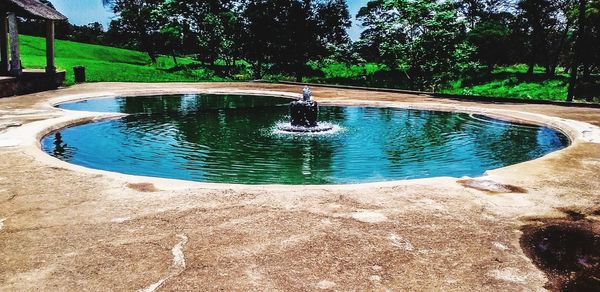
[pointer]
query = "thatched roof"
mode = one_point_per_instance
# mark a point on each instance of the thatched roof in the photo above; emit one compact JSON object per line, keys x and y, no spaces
{"x":31,"y":8}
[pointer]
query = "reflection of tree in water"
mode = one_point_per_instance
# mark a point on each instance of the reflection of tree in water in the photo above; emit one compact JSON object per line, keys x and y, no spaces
{"x":416,"y":135}
{"x":192,"y":103}
{"x":61,"y":150}
{"x":304,"y":159}
{"x":236,"y":146}
{"x":505,"y":143}
{"x":227,"y":138}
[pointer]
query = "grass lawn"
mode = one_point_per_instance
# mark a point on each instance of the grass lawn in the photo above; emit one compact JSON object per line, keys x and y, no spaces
{"x":111,"y":64}
{"x":509,"y":82}
{"x":512,"y":82}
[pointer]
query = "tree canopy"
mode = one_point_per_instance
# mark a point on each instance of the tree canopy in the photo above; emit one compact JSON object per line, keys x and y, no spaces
{"x":423,"y":44}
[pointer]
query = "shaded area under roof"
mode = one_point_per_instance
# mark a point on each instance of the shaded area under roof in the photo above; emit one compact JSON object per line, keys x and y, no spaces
{"x":31,"y":8}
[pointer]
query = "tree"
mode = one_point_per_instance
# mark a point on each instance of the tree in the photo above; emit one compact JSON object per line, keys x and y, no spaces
{"x":209,"y":28}
{"x":546,"y":28}
{"x":258,"y":40}
{"x":307,"y":31}
{"x":92,"y":33}
{"x":333,"y":20}
{"x":476,"y":11}
{"x":290,"y":33}
{"x":171,"y":34}
{"x":137,"y":24}
{"x":494,"y":31}
{"x":298,"y":39}
{"x":381,"y":40}
{"x":492,"y":42}
{"x":578,"y":49}
{"x":423,"y":38}
{"x":593,"y":34}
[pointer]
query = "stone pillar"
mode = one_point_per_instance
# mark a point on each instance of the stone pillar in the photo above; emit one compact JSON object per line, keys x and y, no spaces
{"x":50,"y":68}
{"x":3,"y":44}
{"x":15,"y":56}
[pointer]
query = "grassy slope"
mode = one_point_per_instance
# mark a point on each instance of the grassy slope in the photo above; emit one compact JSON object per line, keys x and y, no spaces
{"x":106,"y":63}
{"x":512,"y":82}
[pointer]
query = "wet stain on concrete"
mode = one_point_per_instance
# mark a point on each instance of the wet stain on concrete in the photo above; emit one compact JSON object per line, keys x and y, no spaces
{"x":143,"y":187}
{"x":491,"y":186}
{"x":567,"y":250}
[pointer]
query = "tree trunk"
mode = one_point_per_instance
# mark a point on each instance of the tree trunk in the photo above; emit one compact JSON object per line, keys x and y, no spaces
{"x":585,"y":56}
{"x":531,"y":66}
{"x":577,"y":49}
{"x":553,"y":70}
{"x":586,"y":70}
{"x":549,"y":70}
{"x":258,"y":70}
{"x":299,"y":72}
{"x":555,"y":58}
{"x":174,"y":57}
{"x":547,"y":51}
{"x":148,"y":46}
{"x":152,"y":56}
{"x":532,"y":56}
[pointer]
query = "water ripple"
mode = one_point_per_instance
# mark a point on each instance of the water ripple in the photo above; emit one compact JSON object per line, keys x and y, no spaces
{"x":235,"y":139}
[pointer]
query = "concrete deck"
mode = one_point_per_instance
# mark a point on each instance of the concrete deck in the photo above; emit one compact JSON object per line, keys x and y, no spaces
{"x":65,"y":227}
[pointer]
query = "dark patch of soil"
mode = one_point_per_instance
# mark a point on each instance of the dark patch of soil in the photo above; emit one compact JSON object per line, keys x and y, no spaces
{"x":568,"y":251}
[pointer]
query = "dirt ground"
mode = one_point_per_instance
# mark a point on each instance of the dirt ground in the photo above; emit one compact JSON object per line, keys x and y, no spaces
{"x":63,"y":227}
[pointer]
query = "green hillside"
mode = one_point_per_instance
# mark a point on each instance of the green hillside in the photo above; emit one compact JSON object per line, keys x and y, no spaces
{"x":110,"y":64}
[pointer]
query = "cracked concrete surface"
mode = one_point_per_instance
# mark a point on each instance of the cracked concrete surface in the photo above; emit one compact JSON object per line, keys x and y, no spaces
{"x":177,"y":267}
{"x":71,"y":228}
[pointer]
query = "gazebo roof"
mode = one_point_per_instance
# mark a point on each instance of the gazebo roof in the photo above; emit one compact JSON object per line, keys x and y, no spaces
{"x":32,"y":8}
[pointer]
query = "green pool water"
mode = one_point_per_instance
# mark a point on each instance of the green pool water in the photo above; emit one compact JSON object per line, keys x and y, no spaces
{"x":233,"y":139}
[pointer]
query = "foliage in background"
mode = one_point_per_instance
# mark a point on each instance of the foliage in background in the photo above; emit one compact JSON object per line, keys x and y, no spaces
{"x":425,"y":39}
{"x":282,"y":36}
{"x":256,"y":31}
{"x":434,"y":45}
{"x":514,"y":82}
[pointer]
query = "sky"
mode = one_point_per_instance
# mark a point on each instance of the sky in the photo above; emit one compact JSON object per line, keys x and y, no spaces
{"x":82,"y":12}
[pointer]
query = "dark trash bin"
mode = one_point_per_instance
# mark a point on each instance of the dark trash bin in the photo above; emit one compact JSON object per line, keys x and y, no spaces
{"x":79,"y":74}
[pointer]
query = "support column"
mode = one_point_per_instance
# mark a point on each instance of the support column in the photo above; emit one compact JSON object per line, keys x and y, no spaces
{"x":3,"y":44}
{"x":50,"y":67}
{"x":15,"y":56}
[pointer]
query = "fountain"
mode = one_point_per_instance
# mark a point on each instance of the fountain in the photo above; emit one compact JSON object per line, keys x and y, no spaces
{"x":303,"y":116}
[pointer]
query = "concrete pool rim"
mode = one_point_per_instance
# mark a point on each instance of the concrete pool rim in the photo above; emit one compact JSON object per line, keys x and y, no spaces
{"x":29,"y":135}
